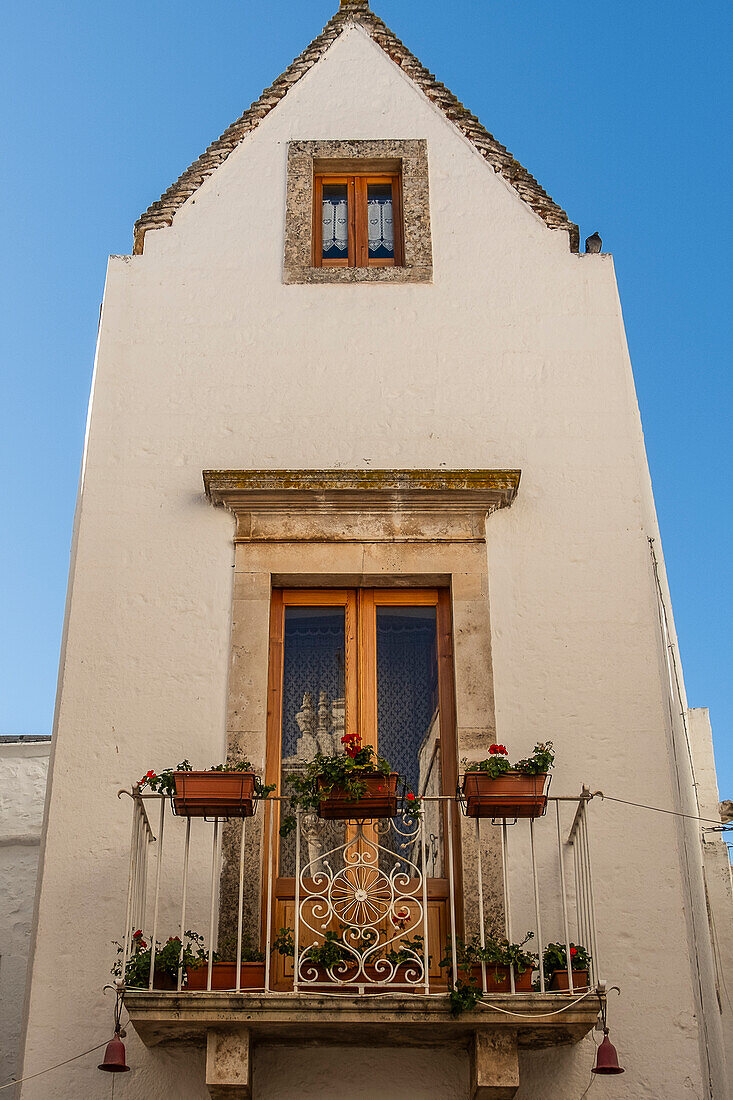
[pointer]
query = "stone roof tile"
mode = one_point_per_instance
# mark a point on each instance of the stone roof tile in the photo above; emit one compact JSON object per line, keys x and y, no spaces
{"x":162,"y":212}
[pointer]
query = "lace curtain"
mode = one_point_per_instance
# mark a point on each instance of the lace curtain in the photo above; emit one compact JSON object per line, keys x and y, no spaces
{"x":380,"y":218}
{"x":335,"y":226}
{"x":380,"y":221}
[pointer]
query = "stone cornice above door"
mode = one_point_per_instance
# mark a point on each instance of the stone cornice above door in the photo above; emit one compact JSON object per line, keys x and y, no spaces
{"x":361,"y":505}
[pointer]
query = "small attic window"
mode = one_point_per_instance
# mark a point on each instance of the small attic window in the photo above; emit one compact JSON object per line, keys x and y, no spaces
{"x":357,"y":211}
{"x":357,"y":220}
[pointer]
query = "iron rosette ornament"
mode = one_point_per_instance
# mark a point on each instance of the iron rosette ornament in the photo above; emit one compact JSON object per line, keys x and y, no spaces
{"x":360,"y":906}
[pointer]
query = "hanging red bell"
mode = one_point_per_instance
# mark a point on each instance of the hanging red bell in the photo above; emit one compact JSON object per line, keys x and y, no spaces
{"x":114,"y":1056}
{"x":606,"y":1057}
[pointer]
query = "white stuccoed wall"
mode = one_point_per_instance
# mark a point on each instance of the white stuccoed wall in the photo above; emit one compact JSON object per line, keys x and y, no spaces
{"x":718,"y":878}
{"x":23,"y":772}
{"x":514,"y":357}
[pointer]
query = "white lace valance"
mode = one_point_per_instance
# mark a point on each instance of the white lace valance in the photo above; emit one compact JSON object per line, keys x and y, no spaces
{"x":335,"y":225}
{"x":381,"y":225}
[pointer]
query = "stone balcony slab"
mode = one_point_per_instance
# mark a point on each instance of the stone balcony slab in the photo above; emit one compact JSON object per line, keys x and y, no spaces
{"x":382,"y":1019}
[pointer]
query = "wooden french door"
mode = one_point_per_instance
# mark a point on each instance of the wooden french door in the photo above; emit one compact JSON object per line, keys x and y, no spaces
{"x":378,"y":662}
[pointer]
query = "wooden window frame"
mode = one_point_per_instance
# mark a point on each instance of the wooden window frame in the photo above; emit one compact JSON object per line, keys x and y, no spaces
{"x":360,"y":606}
{"x":357,"y":183}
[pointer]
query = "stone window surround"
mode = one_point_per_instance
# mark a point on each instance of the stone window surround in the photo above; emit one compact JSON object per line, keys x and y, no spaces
{"x":352,"y":528}
{"x":303,"y":156}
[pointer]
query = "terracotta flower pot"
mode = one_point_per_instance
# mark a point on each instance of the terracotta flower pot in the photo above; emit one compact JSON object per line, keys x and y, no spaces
{"x":511,"y":795}
{"x":224,"y":976}
{"x":498,"y":979}
{"x":164,"y":981}
{"x":559,"y":981}
{"x":161,"y":980}
{"x":214,"y":794}
{"x":379,"y":799}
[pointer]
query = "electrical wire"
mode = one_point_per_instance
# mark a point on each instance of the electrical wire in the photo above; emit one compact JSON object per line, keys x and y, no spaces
{"x":483,"y":1004}
{"x":590,"y":1084}
{"x":538,"y":1015}
{"x":671,"y":661}
{"x":671,"y":650}
{"x":30,"y":1076}
{"x":118,"y":1027}
{"x":658,"y":809}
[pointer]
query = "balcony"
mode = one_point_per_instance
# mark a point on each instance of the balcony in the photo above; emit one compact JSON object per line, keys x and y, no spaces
{"x":369,"y":920}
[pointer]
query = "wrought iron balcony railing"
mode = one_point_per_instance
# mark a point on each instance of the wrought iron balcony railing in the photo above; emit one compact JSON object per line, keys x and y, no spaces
{"x":364,"y":906}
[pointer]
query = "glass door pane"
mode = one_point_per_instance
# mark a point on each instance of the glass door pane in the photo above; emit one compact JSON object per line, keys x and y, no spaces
{"x":408,"y":715}
{"x":314,"y":707}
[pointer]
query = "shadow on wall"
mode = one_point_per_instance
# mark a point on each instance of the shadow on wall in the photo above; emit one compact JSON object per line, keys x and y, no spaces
{"x":360,"y":1073}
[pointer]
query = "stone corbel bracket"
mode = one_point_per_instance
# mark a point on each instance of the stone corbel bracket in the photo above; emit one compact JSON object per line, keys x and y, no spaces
{"x":361,"y":505}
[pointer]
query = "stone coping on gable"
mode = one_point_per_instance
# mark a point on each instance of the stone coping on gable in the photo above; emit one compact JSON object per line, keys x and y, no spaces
{"x":356,"y":12}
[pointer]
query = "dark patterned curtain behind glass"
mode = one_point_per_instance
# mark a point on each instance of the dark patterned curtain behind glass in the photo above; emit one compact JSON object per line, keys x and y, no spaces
{"x":313,"y":699}
{"x":407,"y":682}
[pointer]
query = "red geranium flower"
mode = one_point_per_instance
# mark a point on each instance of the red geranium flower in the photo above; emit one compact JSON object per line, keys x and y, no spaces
{"x":573,"y":951}
{"x":136,"y":935}
{"x":410,"y":796}
{"x":352,"y":743}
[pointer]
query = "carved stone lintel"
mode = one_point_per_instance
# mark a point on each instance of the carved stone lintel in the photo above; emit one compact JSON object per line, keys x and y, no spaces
{"x":361,"y":505}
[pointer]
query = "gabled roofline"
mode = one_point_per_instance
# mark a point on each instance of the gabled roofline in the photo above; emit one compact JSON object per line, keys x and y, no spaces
{"x":162,"y":212}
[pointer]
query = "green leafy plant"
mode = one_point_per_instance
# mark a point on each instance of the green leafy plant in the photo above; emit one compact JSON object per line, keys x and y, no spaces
{"x":540,"y":762}
{"x":405,"y":950}
{"x":497,"y":762}
{"x":329,"y":953}
{"x":326,"y":954}
{"x":333,"y":949}
{"x":227,"y":952}
{"x":496,"y":951}
{"x":168,"y":957}
{"x":463,"y":997}
{"x":284,"y":943}
{"x":345,"y":771}
{"x":554,"y":957}
{"x":164,"y":782}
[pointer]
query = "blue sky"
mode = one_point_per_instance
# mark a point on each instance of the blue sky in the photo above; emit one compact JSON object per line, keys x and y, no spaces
{"x":621,"y":110}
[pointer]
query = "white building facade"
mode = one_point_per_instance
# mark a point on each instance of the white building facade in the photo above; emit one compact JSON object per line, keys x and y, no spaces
{"x":23,"y":772}
{"x":451,"y":428}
